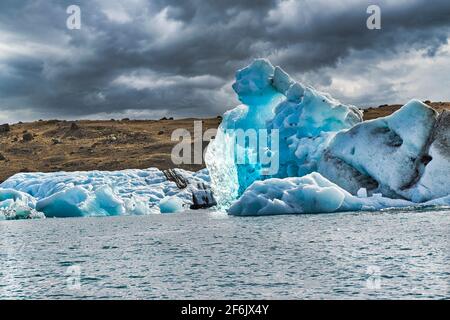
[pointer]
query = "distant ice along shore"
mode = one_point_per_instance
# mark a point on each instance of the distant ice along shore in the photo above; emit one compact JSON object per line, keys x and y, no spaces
{"x":328,"y":160}
{"x":102,"y":193}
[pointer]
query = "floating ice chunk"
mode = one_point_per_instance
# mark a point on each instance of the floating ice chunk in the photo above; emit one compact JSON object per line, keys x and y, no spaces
{"x":19,"y":212}
{"x":10,"y":196}
{"x":255,"y":82}
{"x":443,"y":202}
{"x":295,"y":93}
{"x":362,"y":193}
{"x":413,"y":123}
{"x":66,"y":203}
{"x":309,"y":194}
{"x":171,"y":205}
{"x":17,"y":205}
{"x":201,"y":175}
{"x":386,"y":157}
{"x":254,"y":88}
{"x":402,"y":156}
{"x":316,"y":113}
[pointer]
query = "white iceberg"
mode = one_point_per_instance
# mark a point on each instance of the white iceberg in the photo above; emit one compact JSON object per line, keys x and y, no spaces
{"x":384,"y":155}
{"x":171,"y":205}
{"x":308,"y":194}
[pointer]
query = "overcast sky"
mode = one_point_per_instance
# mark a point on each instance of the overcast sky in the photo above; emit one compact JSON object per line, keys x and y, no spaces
{"x":154,"y":58}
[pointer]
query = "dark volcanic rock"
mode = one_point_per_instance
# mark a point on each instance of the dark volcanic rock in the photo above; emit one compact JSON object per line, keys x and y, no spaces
{"x":4,"y":128}
{"x":203,"y":197}
{"x":179,"y":180}
{"x":74,"y":126}
{"x":27,"y":137}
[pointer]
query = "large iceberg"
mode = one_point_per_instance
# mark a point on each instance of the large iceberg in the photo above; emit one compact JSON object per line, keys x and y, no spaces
{"x":98,"y":193}
{"x":385,"y":155}
{"x":326,"y":153}
{"x":295,"y":118}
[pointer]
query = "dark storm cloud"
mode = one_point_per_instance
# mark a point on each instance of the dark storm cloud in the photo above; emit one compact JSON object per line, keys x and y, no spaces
{"x":180,"y":56}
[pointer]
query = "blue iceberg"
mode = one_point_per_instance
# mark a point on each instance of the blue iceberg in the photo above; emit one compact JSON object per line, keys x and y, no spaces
{"x":328,"y":159}
{"x":302,"y":117}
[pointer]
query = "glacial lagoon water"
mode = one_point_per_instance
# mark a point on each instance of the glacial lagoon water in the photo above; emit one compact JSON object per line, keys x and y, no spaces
{"x":374,"y":255}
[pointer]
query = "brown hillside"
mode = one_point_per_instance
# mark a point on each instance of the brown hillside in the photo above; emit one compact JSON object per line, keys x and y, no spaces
{"x":386,"y":110}
{"x":91,"y":145}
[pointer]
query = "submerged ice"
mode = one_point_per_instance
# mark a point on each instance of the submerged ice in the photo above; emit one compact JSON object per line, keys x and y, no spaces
{"x":327,"y":154}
